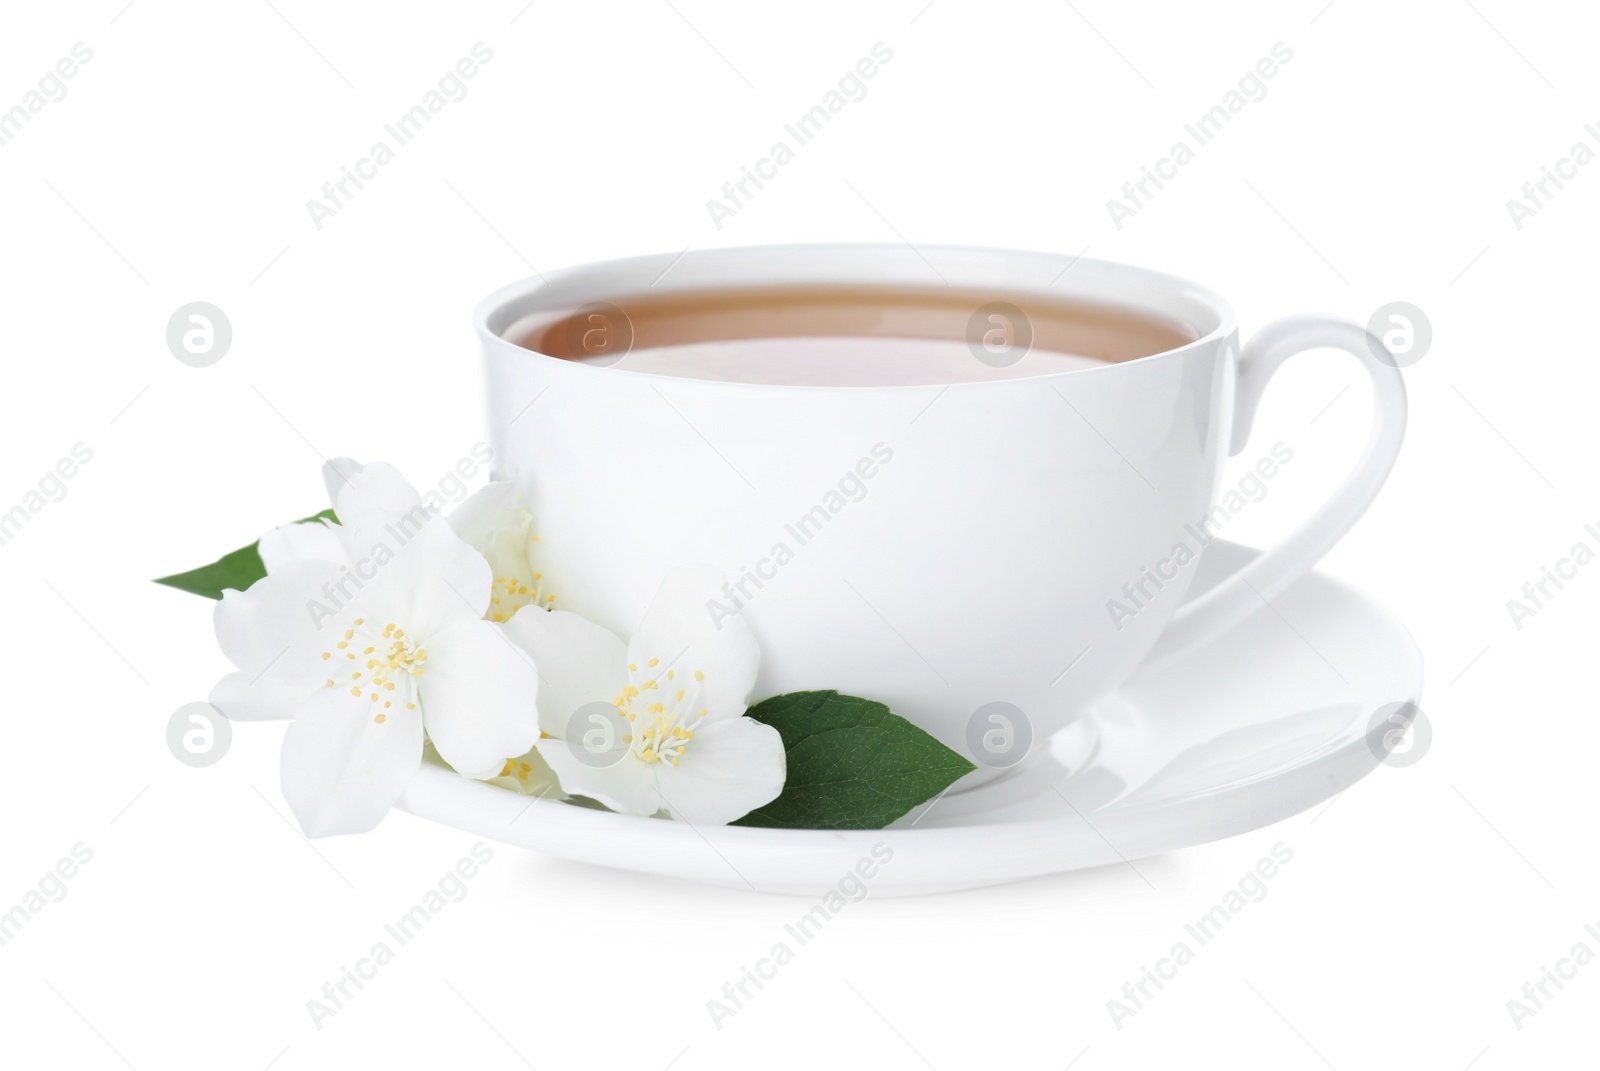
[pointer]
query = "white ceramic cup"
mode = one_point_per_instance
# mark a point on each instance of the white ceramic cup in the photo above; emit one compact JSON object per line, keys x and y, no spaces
{"x":983,"y":560}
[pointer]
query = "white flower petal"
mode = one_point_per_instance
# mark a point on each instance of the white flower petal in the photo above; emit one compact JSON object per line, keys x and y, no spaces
{"x":341,"y":769}
{"x":426,"y":580}
{"x":378,"y":512}
{"x":680,"y":630}
{"x":629,"y":786}
{"x":479,"y":695}
{"x":497,"y":522}
{"x":579,"y":662}
{"x":314,"y":540}
{"x":336,"y":472}
{"x":730,"y":768}
{"x":243,"y":697}
{"x":274,"y":628}
{"x":484,"y":512}
{"x":372,"y":495}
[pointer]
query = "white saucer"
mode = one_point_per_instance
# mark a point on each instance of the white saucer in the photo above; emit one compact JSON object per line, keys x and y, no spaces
{"x":1260,"y":724}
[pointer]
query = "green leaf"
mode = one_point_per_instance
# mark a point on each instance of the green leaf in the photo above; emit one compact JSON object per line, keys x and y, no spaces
{"x":853,"y":763}
{"x":237,"y":569}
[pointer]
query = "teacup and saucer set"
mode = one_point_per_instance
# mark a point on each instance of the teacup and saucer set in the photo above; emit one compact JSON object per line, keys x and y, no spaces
{"x":971,"y":494}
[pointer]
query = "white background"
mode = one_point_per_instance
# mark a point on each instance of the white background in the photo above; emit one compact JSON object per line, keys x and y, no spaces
{"x":177,"y":169}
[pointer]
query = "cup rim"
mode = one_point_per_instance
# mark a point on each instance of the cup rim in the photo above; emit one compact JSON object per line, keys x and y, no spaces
{"x":1107,"y":282}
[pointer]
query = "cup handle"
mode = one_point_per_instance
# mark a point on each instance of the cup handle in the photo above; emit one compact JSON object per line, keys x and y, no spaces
{"x":1269,"y":575}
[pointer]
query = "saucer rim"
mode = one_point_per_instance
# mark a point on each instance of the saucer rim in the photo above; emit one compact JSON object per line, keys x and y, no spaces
{"x":991,"y":852}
